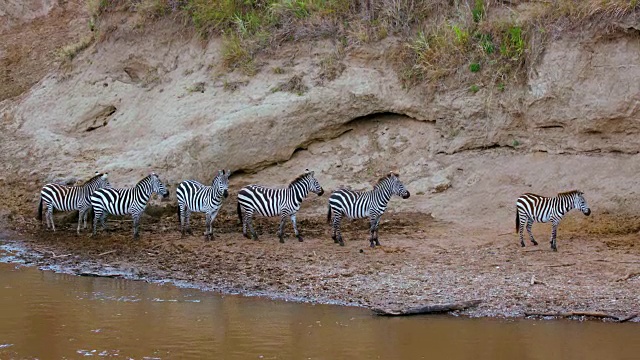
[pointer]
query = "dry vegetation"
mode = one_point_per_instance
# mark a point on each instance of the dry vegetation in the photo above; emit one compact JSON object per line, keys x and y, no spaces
{"x":448,"y":42}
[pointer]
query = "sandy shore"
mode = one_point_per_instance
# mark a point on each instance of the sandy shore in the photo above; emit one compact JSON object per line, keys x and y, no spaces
{"x":420,"y":261}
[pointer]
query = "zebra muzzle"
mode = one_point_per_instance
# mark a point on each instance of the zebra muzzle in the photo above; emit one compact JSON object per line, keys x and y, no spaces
{"x":588,"y":212}
{"x":406,"y":196}
{"x":321,"y":192}
{"x":225,"y":193}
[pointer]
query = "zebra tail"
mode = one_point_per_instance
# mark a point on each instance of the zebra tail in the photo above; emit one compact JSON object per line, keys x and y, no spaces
{"x":179,"y":215}
{"x":239,"y":212}
{"x":39,"y":217}
{"x":517,"y":221}
{"x":329,"y":214}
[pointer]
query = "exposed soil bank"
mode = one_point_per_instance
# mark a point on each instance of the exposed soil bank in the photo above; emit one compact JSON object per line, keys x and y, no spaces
{"x":424,"y":262}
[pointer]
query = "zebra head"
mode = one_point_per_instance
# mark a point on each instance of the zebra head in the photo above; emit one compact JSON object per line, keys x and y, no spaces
{"x":157,"y":186}
{"x":99,"y":180}
{"x":397,"y":187}
{"x":580,"y":203}
{"x":104,"y":181}
{"x":312,"y":183}
{"x":221,"y":183}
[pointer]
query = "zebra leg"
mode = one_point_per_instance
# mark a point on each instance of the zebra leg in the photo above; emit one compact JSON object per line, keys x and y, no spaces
{"x":372,"y":228}
{"x":50,"y":217}
{"x":337,"y":235}
{"x":187,"y":220}
{"x":521,"y":224}
{"x":96,"y":216}
{"x":207,"y":221}
{"x":103,"y":217}
{"x":82,"y":213}
{"x":213,"y":217}
{"x":181,"y":217}
{"x":295,"y":227}
{"x":283,"y":216}
{"x":86,"y":215}
{"x":529,"y":225}
{"x":375,"y":238}
{"x":136,"y":225}
{"x":248,"y":222}
{"x":244,"y":228}
{"x":554,"y":231}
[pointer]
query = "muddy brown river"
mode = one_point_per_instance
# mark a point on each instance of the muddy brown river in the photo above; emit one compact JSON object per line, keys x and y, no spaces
{"x":48,"y":315}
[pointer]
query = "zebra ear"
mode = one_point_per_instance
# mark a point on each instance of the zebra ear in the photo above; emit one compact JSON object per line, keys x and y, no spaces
{"x":228,"y":173}
{"x":220,"y":172}
{"x":105,"y":176}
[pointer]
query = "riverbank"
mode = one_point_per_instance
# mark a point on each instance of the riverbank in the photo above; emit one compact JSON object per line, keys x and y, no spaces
{"x":421,"y":261}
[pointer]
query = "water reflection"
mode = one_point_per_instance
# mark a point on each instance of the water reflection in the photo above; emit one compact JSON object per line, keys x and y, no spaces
{"x":48,"y":315}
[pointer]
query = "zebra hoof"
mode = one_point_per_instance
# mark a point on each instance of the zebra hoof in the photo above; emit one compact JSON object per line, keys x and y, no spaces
{"x":372,"y":245}
{"x":521,"y":244}
{"x":300,"y":238}
{"x":341,"y":242}
{"x":281,"y":241}
{"x":535,"y":243}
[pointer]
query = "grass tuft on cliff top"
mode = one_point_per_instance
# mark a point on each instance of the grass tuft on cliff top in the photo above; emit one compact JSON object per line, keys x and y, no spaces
{"x":443,"y":42}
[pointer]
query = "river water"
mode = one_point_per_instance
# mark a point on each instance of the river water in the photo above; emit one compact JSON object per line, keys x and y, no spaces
{"x":48,"y":315}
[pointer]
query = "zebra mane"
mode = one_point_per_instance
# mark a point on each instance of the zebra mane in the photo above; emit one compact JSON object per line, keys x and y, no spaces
{"x":388,"y":176}
{"x":298,"y":179}
{"x":95,"y":177}
{"x":570,"y":193}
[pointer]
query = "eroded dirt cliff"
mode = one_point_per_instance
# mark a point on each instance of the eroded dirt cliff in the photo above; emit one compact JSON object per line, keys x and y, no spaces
{"x":155,"y":99}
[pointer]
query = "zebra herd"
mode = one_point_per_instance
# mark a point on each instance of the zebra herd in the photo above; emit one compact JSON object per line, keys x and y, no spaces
{"x":97,"y":194}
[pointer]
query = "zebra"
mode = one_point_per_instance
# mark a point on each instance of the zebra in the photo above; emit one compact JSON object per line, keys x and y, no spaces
{"x":532,"y":208}
{"x":194,"y":196}
{"x":126,"y":201}
{"x":68,"y":198}
{"x":273,"y":202}
{"x":363,"y":204}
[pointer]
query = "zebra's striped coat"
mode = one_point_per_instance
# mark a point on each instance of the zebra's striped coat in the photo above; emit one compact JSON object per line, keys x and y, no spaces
{"x":127,"y":201}
{"x":68,"y":198}
{"x":363,"y":204}
{"x":273,"y":202}
{"x":196,"y":197}
{"x":532,"y":208}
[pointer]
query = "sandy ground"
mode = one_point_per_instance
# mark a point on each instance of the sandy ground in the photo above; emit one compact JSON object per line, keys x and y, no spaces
{"x":420,"y":261}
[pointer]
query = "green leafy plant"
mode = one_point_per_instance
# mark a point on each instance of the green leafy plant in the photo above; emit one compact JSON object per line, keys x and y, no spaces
{"x":513,"y":43}
{"x":474,"y":67}
{"x":478,"y":11}
{"x":474,"y":88}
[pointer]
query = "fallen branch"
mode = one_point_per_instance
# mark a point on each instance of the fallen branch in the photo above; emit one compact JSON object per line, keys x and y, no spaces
{"x":629,"y":276}
{"x":91,"y":274}
{"x":560,"y":265}
{"x":428,"y":309}
{"x":53,"y":255}
{"x":107,"y":252}
{"x":627,"y":318}
{"x":575,"y":313}
{"x":534,"y":281}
